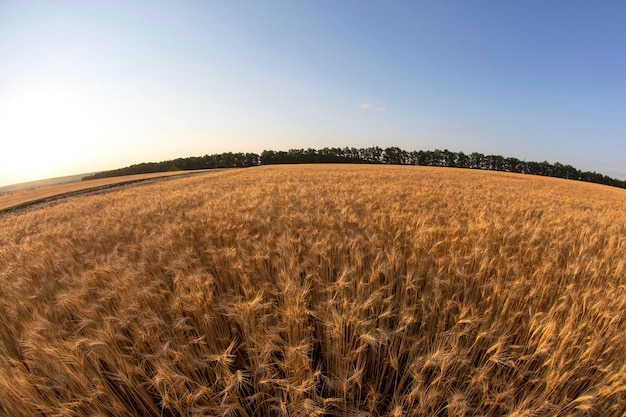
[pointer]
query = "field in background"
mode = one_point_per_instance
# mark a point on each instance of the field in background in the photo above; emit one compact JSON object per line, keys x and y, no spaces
{"x":31,"y":185}
{"x":44,"y":192}
{"x":319,"y":290}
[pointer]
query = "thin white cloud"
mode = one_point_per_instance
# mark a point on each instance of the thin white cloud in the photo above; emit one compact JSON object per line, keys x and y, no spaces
{"x":372,"y":107}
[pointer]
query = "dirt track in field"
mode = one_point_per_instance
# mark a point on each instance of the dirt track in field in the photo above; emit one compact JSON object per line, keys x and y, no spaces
{"x":23,"y":201}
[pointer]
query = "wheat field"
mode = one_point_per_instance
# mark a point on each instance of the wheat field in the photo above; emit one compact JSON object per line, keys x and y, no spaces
{"x":323,"y":290}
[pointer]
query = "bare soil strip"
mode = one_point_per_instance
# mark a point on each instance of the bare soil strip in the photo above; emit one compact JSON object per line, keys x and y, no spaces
{"x":23,"y":201}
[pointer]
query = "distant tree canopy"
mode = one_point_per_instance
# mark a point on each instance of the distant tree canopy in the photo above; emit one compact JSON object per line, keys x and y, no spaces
{"x":371,"y":155}
{"x":222,"y":160}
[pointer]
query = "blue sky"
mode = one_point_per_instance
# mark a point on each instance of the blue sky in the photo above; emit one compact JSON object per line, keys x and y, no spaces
{"x":87,"y":86}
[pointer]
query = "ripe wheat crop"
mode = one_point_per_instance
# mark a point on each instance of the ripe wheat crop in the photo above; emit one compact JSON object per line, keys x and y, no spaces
{"x":318,"y":290}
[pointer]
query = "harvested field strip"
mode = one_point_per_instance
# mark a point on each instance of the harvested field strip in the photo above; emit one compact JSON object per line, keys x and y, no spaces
{"x":23,"y":199}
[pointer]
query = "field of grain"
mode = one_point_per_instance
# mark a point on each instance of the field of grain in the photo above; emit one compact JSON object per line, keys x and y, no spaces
{"x":319,"y":290}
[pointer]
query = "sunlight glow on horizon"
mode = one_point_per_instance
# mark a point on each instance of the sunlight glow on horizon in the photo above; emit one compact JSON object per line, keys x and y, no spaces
{"x":51,"y":123}
{"x":46,"y":123}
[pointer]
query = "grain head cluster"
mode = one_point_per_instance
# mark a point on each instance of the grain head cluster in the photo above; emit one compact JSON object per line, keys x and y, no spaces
{"x":321,"y":291}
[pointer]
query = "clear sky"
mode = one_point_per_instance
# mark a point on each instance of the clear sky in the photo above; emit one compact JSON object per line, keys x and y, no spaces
{"x":95,"y":85}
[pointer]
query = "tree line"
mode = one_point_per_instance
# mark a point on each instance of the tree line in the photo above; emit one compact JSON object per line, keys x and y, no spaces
{"x":370,"y":155}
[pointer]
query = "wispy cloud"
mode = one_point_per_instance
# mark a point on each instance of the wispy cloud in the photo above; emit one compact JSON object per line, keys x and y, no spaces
{"x":372,"y":107}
